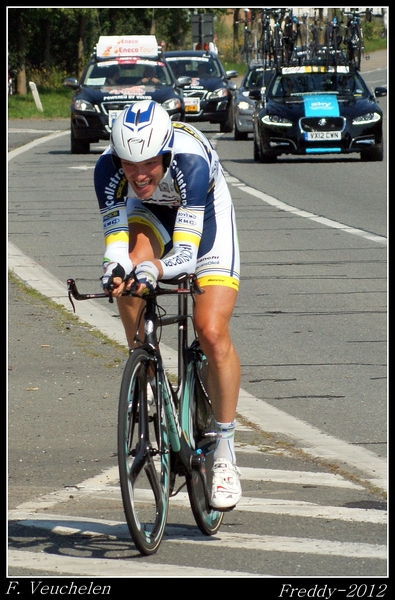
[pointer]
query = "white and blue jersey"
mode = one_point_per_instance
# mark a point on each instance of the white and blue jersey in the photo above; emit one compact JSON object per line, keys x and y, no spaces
{"x":191,"y":212}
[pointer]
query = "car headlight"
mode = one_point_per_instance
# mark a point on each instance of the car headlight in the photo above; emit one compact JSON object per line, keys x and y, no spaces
{"x":243,"y":105}
{"x":219,"y":93}
{"x":83,"y":105}
{"x":276,"y":120}
{"x":368,"y":118}
{"x":172,"y":104}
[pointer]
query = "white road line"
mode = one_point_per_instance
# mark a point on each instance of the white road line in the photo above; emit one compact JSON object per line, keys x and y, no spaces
{"x":268,"y":506}
{"x":17,"y":151}
{"x":30,"y":130}
{"x":272,"y":543}
{"x":231,"y":180}
{"x":107,"y":482}
{"x":93,"y":567}
{"x":116,"y":530}
{"x":303,"y":213}
{"x":297,"y":477}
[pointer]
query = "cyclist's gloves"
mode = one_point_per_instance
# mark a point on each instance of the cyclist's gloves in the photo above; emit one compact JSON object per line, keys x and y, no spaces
{"x":147,"y":274}
{"x":113,"y":270}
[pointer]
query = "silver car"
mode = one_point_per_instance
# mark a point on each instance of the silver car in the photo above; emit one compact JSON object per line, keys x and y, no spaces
{"x":256,"y":77}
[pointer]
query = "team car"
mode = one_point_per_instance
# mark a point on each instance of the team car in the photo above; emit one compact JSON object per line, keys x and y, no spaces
{"x":121,"y":70}
{"x":256,"y":78}
{"x":318,"y":109}
{"x":210,"y":94}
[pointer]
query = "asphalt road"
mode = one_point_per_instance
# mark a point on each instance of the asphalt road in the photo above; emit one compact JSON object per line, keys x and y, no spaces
{"x":63,"y":384}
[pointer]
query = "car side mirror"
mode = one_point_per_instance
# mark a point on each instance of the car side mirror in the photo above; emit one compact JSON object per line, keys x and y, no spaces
{"x":380,"y":91}
{"x":71,"y":82}
{"x":255,"y":95}
{"x":184,"y":80}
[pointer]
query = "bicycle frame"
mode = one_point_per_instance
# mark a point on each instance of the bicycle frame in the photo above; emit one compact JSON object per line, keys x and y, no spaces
{"x":175,"y":402}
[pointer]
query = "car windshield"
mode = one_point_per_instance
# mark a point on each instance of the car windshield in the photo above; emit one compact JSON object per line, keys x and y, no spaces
{"x":202,"y":68}
{"x":139,"y":72}
{"x":295,"y":84}
{"x":257,"y":78}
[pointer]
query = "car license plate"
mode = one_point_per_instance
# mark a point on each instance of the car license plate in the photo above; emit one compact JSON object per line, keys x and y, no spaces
{"x":192,"y":105}
{"x":112,"y":115}
{"x":317,"y":136}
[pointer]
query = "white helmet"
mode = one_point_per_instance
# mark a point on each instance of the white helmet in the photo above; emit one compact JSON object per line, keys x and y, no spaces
{"x":143,"y":130}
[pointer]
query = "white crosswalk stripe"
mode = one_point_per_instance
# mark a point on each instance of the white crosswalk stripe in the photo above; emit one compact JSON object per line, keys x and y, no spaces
{"x":105,"y":488}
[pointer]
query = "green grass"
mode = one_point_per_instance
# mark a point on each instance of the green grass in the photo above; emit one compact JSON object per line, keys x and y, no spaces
{"x":55,"y":102}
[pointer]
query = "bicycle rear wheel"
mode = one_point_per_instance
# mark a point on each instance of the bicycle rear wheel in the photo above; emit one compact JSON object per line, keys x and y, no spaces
{"x":357,"y":42}
{"x":199,"y":481}
{"x":143,"y":453}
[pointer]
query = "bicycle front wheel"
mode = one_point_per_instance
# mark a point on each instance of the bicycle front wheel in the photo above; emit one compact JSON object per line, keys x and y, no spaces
{"x":200,"y":480}
{"x":357,"y":42}
{"x":143,"y":453}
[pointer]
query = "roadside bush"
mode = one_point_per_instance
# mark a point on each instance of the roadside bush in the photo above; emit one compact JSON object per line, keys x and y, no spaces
{"x":51,"y":79}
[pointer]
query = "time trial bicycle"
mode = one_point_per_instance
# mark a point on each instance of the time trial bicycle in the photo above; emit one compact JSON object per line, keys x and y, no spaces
{"x":165,"y":428}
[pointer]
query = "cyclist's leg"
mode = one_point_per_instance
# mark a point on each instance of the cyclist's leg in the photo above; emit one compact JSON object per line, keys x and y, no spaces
{"x":218,"y":271}
{"x":212,"y":314}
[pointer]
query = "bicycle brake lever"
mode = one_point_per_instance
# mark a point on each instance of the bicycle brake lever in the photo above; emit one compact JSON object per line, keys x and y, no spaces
{"x":71,"y":302}
{"x":134,"y":286}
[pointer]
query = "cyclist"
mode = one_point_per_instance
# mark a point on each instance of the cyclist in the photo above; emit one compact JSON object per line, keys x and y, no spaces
{"x":166,"y":209}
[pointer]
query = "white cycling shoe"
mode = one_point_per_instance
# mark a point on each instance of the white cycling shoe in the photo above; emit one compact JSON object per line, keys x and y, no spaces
{"x":226,"y":488}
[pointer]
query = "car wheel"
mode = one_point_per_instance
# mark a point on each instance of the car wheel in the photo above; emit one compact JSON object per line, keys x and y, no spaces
{"x":79,"y":146}
{"x":262,"y":156}
{"x":373,"y":154}
{"x":240,"y":135}
{"x":227,"y":126}
{"x":266,"y":157}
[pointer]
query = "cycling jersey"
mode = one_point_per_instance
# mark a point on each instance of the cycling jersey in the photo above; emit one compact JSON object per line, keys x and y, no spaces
{"x":191,"y":212}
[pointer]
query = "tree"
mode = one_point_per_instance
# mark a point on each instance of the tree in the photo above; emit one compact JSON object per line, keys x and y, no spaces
{"x":62,"y":39}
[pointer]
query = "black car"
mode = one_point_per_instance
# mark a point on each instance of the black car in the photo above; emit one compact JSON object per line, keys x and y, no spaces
{"x":318,"y":109}
{"x":210,"y":95}
{"x":257,"y":77}
{"x":117,"y":75}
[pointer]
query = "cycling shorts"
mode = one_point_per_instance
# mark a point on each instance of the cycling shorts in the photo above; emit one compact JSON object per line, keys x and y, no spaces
{"x":218,"y":255}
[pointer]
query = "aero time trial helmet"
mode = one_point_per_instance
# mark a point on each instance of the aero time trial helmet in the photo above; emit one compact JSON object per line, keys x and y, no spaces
{"x":143,"y":130}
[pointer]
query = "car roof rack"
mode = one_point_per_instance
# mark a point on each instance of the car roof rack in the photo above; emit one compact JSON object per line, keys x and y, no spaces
{"x":338,"y":49}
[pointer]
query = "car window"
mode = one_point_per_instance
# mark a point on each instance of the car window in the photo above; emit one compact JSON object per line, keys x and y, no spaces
{"x":254,"y":79}
{"x":110,"y":74}
{"x":195,"y":67}
{"x":257,"y":78}
{"x":336,"y":83}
